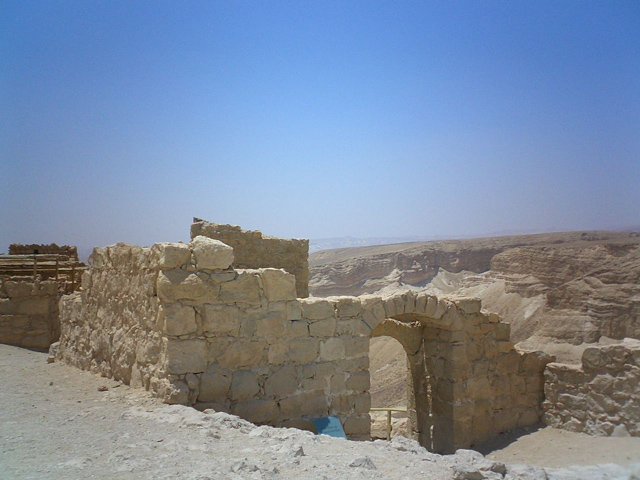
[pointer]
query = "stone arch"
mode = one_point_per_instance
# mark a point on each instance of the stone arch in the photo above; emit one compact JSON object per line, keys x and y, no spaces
{"x":453,"y":349}
{"x":410,"y":336}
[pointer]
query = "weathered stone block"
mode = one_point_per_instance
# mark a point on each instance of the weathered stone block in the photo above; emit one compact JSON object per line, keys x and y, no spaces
{"x":348,"y":306}
{"x":358,"y":382}
{"x":214,"y":385}
{"x":281,"y":383}
{"x":331,"y":349}
{"x":469,"y":305}
{"x":257,"y":411}
{"x":278,"y":285}
{"x":179,"y":319}
{"x":184,"y":356}
{"x":317,"y":308}
{"x":244,"y":385}
{"x":294,"y":310}
{"x":33,"y":306}
{"x":323,"y":328}
{"x":244,"y":289}
{"x":271,"y":325}
{"x":278,"y":353}
{"x":18,"y":289}
{"x":303,"y":350}
{"x":502,"y":331}
{"x":305,"y":404}
{"x":175,"y":285}
{"x":221,"y":319}
{"x":170,"y":255}
{"x":357,"y":425}
{"x":211,"y":254}
{"x":242,"y":354}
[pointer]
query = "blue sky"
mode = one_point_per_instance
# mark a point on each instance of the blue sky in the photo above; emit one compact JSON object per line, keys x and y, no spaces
{"x":119,"y":121}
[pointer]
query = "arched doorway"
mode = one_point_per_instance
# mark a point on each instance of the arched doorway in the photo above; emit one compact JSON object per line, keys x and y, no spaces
{"x":409,"y":333}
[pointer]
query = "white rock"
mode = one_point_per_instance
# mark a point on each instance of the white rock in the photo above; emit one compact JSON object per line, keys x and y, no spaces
{"x":211,"y":254}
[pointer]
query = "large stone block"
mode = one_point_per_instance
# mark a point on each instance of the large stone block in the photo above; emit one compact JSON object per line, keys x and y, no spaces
{"x":179,"y":319}
{"x":358,"y":382}
{"x":271,"y":325}
{"x":244,"y":385}
{"x":331,"y":349}
{"x":18,"y":289}
{"x":305,"y":404}
{"x":186,"y":356}
{"x":348,"y":306}
{"x":242,"y":354}
{"x":281,"y":383}
{"x":257,"y":411}
{"x":170,"y":255}
{"x":303,"y":350}
{"x":175,"y":285}
{"x":214,"y":385}
{"x":323,"y":328}
{"x":245,"y":289}
{"x":278,"y":285}
{"x":317,"y":308}
{"x":357,"y":425}
{"x":221,"y":319}
{"x":211,"y":254}
{"x":33,"y":306}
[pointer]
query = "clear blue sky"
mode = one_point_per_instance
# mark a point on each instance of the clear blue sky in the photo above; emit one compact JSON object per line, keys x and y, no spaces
{"x":119,"y":121}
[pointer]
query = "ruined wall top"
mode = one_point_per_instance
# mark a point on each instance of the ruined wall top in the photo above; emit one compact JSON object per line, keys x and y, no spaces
{"x":252,"y":249}
{"x":50,"y":249}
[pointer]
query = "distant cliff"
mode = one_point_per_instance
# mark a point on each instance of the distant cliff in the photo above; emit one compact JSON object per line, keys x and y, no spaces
{"x":566,"y":287}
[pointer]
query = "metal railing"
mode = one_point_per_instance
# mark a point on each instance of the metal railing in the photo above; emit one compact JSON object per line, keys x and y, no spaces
{"x":389,"y":410}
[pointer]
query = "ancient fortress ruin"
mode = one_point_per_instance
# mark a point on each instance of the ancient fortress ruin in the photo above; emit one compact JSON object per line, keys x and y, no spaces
{"x":224,"y":322}
{"x":32,"y":280}
{"x":182,"y":321}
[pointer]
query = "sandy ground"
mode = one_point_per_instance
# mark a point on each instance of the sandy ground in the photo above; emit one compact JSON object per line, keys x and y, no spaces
{"x":550,"y":447}
{"x":55,"y":423}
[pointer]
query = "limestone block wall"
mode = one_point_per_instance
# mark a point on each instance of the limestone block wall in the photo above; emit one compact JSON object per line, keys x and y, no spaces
{"x":601,"y":396}
{"x":469,"y":383}
{"x":240,"y":341}
{"x":179,"y":320}
{"x":28,"y":312}
{"x":111,"y":326}
{"x":42,"y":249}
{"x":252,"y":249}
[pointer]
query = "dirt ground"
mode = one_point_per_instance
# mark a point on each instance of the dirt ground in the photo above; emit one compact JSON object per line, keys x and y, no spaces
{"x":57,"y":422}
{"x":551,"y":447}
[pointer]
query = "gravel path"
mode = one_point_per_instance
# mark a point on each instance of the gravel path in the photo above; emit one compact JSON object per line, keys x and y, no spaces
{"x":56,"y":423}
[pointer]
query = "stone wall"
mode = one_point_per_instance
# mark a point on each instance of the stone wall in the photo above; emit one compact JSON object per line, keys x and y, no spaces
{"x":468,"y":382}
{"x":28,"y":312}
{"x":50,"y":249}
{"x":111,"y":326}
{"x":601,"y":396}
{"x":252,"y":249}
{"x":178,"y":320}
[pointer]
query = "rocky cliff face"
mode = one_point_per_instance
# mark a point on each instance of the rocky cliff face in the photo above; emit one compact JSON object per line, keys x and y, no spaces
{"x":565,"y":287}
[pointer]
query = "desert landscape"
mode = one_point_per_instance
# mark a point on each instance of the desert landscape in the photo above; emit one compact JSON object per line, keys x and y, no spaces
{"x":559,"y":292}
{"x":474,"y":340}
{"x":319,"y":240}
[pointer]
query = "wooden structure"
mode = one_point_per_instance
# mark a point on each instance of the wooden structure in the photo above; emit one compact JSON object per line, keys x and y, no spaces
{"x":389,"y":410}
{"x":61,"y":268}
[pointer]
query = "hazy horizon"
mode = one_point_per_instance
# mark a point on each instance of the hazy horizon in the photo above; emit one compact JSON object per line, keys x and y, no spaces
{"x":121,"y":121}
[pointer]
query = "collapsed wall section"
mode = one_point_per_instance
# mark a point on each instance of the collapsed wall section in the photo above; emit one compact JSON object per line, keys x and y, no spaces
{"x":28,"y":312}
{"x":599,"y":397}
{"x":252,"y":249}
